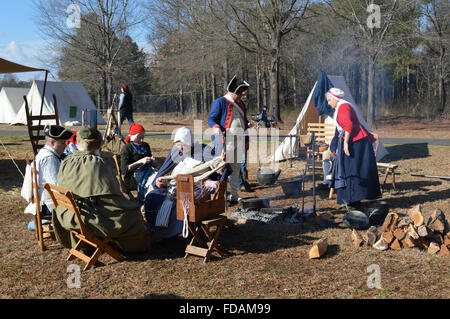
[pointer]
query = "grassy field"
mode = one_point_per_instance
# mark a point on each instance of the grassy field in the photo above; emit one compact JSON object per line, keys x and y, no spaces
{"x":264,"y":261}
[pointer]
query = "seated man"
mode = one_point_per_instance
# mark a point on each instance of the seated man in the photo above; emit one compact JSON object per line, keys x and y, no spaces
{"x":136,"y":160}
{"x":104,"y":210}
{"x":48,"y":161}
{"x":182,"y":157}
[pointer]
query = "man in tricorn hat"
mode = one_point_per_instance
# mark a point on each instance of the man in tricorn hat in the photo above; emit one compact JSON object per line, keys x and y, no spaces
{"x":228,"y":114}
{"x":48,"y":161}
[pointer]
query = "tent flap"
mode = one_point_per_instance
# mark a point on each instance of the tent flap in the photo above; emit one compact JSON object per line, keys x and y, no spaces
{"x":11,"y":67}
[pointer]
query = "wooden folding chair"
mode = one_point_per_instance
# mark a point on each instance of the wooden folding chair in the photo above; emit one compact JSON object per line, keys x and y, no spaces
{"x":202,"y":217}
{"x":41,"y":231}
{"x":123,"y":187}
{"x":64,"y":198}
{"x":34,"y":129}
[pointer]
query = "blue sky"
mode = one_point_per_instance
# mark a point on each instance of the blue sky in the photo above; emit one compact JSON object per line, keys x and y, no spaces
{"x":21,"y":41}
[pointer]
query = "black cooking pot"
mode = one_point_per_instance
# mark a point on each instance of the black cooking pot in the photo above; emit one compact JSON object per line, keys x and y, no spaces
{"x":255,"y":203}
{"x":377,"y":212}
{"x":267,"y":176}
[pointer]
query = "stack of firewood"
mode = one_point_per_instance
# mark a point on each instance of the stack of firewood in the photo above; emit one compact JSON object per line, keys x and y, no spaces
{"x":408,"y":232}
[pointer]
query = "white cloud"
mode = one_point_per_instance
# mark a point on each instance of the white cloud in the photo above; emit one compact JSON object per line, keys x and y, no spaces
{"x":31,"y":54}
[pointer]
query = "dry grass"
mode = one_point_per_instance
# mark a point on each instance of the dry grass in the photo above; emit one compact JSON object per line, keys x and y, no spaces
{"x":265,"y":261}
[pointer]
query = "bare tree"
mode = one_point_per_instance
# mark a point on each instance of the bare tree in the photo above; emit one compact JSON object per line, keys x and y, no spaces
{"x":257,"y":26}
{"x":108,"y":23}
{"x":373,"y":23}
{"x":436,"y":38}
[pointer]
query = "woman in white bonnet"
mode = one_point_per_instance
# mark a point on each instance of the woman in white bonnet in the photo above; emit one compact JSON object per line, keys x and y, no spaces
{"x":355,"y":174}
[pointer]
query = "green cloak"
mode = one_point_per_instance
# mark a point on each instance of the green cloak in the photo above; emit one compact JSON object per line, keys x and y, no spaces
{"x":103,"y":208}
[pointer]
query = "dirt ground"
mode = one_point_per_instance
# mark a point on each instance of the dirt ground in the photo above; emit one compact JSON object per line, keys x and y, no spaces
{"x":264,"y":261}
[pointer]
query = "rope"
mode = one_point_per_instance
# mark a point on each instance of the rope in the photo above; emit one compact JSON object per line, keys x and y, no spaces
{"x":12,"y":159}
{"x":186,"y":204}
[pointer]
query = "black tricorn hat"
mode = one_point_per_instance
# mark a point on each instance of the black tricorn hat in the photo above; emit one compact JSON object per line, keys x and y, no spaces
{"x":57,"y":132}
{"x":237,"y":86}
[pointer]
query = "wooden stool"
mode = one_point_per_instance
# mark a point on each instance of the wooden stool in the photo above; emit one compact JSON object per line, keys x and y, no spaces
{"x":389,"y":168}
{"x":198,"y":246}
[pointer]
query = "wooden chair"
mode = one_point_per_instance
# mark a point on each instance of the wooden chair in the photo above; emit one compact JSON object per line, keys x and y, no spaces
{"x":123,"y":187}
{"x":64,"y":198}
{"x":324,"y":133}
{"x":202,"y":217}
{"x":41,"y":231}
{"x":33,"y":129}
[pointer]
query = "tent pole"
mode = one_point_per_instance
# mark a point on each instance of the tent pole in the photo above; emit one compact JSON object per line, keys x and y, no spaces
{"x":42,"y":106}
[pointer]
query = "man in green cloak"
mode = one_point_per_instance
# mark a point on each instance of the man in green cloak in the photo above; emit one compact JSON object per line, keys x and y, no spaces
{"x":104,"y":210}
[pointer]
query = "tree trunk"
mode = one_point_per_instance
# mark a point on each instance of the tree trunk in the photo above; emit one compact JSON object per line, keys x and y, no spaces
{"x":294,"y":86}
{"x":180,"y":100}
{"x":408,"y":83}
{"x":258,"y":83}
{"x":370,"y":93}
{"x":226,"y":76}
{"x":274,"y":93}
{"x":442,"y":91}
{"x":265,"y":92}
{"x":205,"y":94}
{"x":213,"y":83}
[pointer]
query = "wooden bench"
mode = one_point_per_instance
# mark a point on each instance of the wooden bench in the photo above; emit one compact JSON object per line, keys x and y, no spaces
{"x":323,"y":132}
{"x":389,"y":168}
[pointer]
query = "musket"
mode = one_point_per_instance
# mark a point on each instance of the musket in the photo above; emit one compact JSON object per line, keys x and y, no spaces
{"x":447,"y":178}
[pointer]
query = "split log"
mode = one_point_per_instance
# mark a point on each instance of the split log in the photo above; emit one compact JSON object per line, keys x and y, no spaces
{"x":436,"y":236}
{"x":417,"y":217}
{"x":370,"y":238}
{"x":412,"y":232}
{"x":437,"y":221}
{"x":356,"y":238}
{"x":399,"y":234}
{"x":404,"y":222}
{"x":319,"y":248}
{"x":390,"y":222}
{"x":396,"y":245}
{"x":381,"y":244}
{"x":433,"y":248}
{"x":444,"y":251}
{"x":423,"y":231}
{"x":447,"y":241}
{"x":388,"y":236}
{"x":422,"y":243}
{"x":409,"y":242}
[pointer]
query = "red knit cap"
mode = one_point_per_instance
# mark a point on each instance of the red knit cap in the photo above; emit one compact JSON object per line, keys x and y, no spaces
{"x":134,"y":129}
{"x":73,"y":138}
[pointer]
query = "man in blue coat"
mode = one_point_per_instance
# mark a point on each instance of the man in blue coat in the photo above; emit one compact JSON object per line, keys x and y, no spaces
{"x":229,"y":115}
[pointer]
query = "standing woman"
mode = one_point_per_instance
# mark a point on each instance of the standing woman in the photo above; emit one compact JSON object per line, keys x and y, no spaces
{"x":125,"y":105}
{"x":355,"y":174}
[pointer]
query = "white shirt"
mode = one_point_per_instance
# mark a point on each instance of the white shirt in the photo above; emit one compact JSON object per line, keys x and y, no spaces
{"x":47,"y":166}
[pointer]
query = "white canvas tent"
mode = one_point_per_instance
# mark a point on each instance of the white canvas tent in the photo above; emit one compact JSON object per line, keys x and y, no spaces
{"x":72,"y":98}
{"x":11,"y":99}
{"x":308,"y":114}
